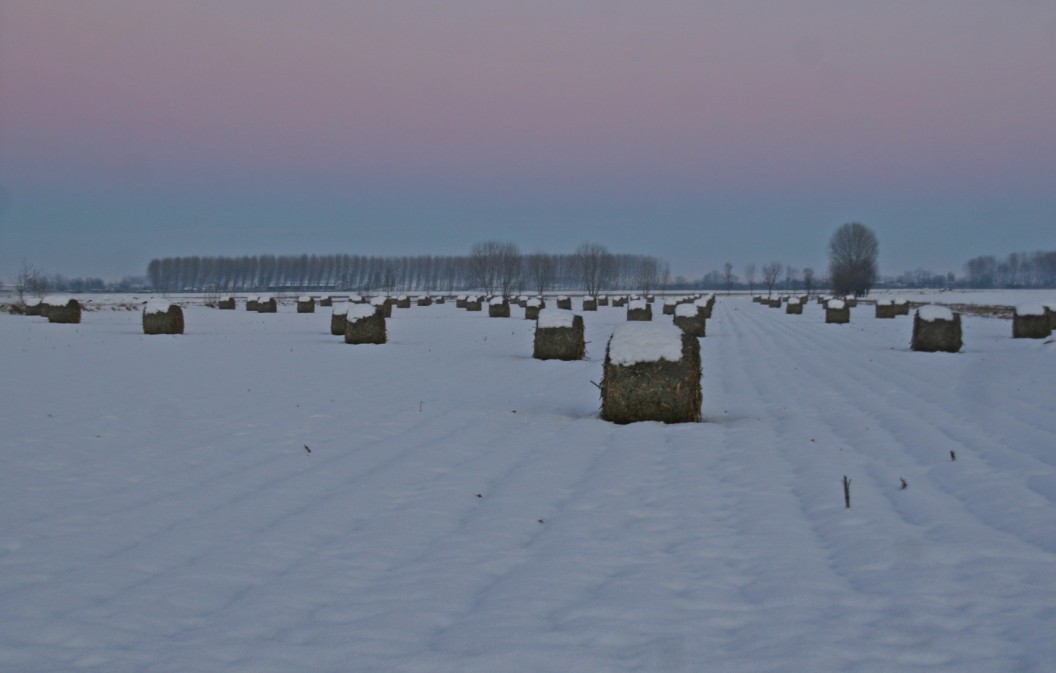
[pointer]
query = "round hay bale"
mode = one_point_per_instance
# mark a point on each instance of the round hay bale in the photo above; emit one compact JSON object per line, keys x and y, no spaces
{"x":564,"y":302}
{"x":61,"y":310}
{"x":619,"y":302}
{"x":252,"y":304}
{"x":603,"y":300}
{"x":364,"y":324}
{"x":651,"y":373}
{"x":267,"y":305}
{"x":31,"y":306}
{"x":691,"y":320}
{"x":305,"y":305}
{"x":885,"y":308}
{"x":424,"y":301}
{"x":532,"y":307}
{"x":1031,"y":322}
{"x":794,"y":306}
{"x":837,"y":312}
{"x":669,"y":305}
{"x":339,"y":318}
{"x":638,"y":310}
{"x":439,"y":300}
{"x":559,"y":335}
{"x":498,"y":308}
{"x":226,"y":304}
{"x":590,"y":304}
{"x":474,"y":304}
{"x":936,"y":329}
{"x":326,"y":302}
{"x":774,"y":303}
{"x":383,"y":305}
{"x":1050,"y":310}
{"x":161,"y":317}
{"x":403,"y":301}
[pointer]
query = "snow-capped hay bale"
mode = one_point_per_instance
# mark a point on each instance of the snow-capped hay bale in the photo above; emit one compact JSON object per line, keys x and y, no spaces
{"x":498,"y":308}
{"x":837,"y":312}
{"x":439,"y":300}
{"x":475,"y":304}
{"x":339,"y":318}
{"x":669,"y":305}
{"x":425,"y":301}
{"x":364,"y":324}
{"x":326,"y":302}
{"x":460,"y":301}
{"x":564,"y":302}
{"x":305,"y":305}
{"x":794,"y":306}
{"x":161,"y":317}
{"x":403,"y":301}
{"x":1030,"y":321}
{"x":691,"y":319}
{"x":639,"y":310}
{"x":226,"y":304}
{"x":532,"y":307}
{"x":705,"y":305}
{"x":936,"y":329}
{"x":252,"y":303}
{"x":61,"y":310}
{"x":559,"y":336}
{"x":651,"y":373}
{"x":383,"y":305}
{"x":590,"y":304}
{"x":619,"y":302}
{"x":886,"y":308}
{"x":603,"y":301}
{"x":267,"y":305}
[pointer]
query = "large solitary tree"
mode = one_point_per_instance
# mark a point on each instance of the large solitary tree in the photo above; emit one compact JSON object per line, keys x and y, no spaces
{"x":852,"y":259}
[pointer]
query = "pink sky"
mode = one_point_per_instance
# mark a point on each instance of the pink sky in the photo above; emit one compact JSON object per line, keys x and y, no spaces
{"x":768,"y":100}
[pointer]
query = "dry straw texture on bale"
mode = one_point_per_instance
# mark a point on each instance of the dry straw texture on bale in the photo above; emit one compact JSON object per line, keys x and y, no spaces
{"x":162,"y":320}
{"x":560,"y":343}
{"x":693,"y":325}
{"x":886,"y":309}
{"x":383,"y":305}
{"x":1031,"y":325}
{"x":653,"y":391}
{"x":365,"y":327}
{"x":62,"y":310}
{"x":31,"y":306}
{"x":932,"y":336}
{"x":306,"y":305}
{"x":499,"y":309}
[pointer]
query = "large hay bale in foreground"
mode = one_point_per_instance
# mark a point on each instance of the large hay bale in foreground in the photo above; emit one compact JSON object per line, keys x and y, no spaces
{"x":651,"y":373}
{"x":936,"y":329}
{"x":793,"y":306}
{"x":1030,"y":321}
{"x":639,"y":310}
{"x":339,"y":318}
{"x":559,"y":336}
{"x":226,"y":304}
{"x":837,"y":312}
{"x":498,"y":308}
{"x":267,"y":305}
{"x":691,"y":319}
{"x":885,"y":308}
{"x":61,"y":310}
{"x":364,"y":324}
{"x":161,"y":317}
{"x":305,"y":305}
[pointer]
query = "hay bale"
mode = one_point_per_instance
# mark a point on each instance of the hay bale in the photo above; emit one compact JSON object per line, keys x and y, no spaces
{"x":603,"y":300}
{"x":774,"y":303}
{"x":532,"y":307}
{"x":619,"y":302}
{"x":326,"y":302}
{"x":885,"y":308}
{"x":403,"y":301}
{"x":651,"y":373}
{"x":339,"y":318}
{"x":439,"y":300}
{"x":475,"y":304}
{"x":498,"y":308}
{"x":252,"y":303}
{"x":691,"y":319}
{"x":425,"y":301}
{"x":901,"y":306}
{"x":669,"y":305}
{"x":267,"y":305}
{"x":305,"y":305}
{"x":590,"y":304}
{"x":936,"y":329}
{"x":383,"y":305}
{"x":837,"y":312}
{"x":161,"y":317}
{"x":639,"y":310}
{"x":705,"y":305}
{"x":793,"y":306}
{"x":31,"y":306}
{"x":226,"y":304}
{"x":1031,"y":321}
{"x":564,"y":302}
{"x":61,"y":310}
{"x":1050,"y":310}
{"x":559,"y":336}
{"x":364,"y":324}
{"x":460,"y":301}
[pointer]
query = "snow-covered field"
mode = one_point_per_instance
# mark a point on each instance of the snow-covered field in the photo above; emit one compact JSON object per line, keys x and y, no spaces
{"x":463,"y":508}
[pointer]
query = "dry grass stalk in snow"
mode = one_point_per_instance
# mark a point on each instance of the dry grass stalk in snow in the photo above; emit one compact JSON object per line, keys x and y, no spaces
{"x":1031,"y":322}
{"x":364,"y":324}
{"x":559,"y":337}
{"x":162,"y":318}
{"x":640,"y":389}
{"x":936,"y":329}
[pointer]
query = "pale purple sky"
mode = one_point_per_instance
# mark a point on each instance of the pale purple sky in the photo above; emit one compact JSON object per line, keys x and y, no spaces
{"x":699,"y":132}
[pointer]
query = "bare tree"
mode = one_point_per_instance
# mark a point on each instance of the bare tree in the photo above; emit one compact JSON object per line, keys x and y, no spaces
{"x":771,"y":272}
{"x":749,"y":275}
{"x":541,"y":270}
{"x":482,"y":271}
{"x":30,"y":281}
{"x":808,"y":280}
{"x":596,"y":266}
{"x":648,"y":274}
{"x":852,"y":259}
{"x":508,"y":263}
{"x":728,"y":276}
{"x":791,"y":276}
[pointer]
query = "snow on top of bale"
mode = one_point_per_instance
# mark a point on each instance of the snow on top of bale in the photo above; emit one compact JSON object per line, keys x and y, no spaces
{"x":636,"y":305}
{"x":355,"y":297}
{"x":794,"y":301}
{"x":562,"y":296}
{"x":497,"y":301}
{"x":304,"y":299}
{"x":932,"y":312}
{"x":535,"y":302}
{"x":837,"y":304}
{"x":60,"y":300}
{"x":900,"y":300}
{"x":686,"y":310}
{"x":1030,"y":309}
{"x":378,"y":301}
{"x":885,"y":302}
{"x":340,"y":308}
{"x":156,"y":306}
{"x":637,"y":342}
{"x":556,"y":317}
{"x":360,"y":311}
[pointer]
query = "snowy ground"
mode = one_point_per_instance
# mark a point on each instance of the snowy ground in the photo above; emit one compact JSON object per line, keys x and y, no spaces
{"x":463,"y":509}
